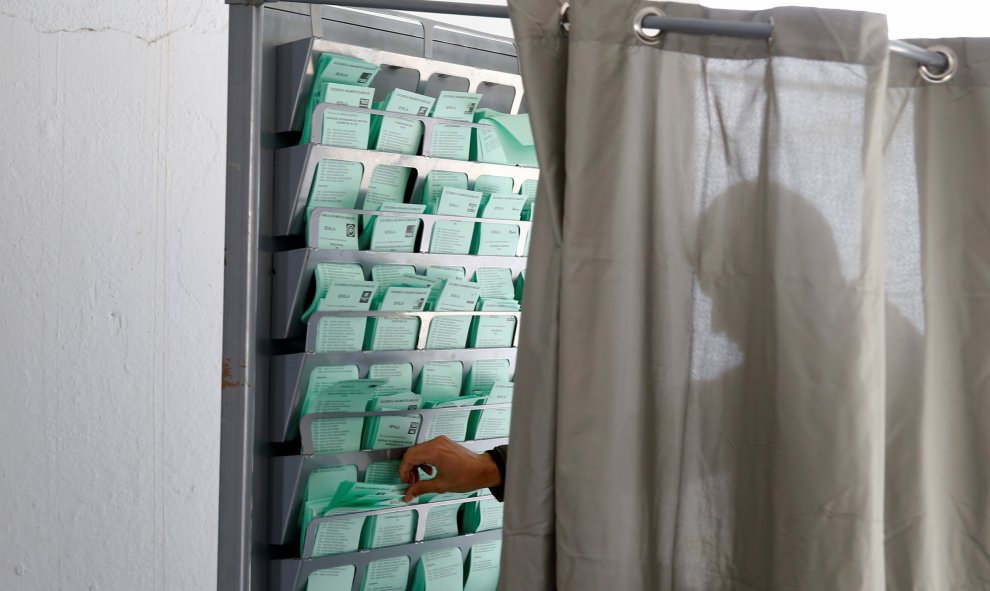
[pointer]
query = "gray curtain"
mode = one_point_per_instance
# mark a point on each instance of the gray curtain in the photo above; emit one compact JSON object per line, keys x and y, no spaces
{"x":756,"y":332}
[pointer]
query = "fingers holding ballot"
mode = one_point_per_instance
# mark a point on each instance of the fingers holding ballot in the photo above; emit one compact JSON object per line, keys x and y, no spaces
{"x":455,"y":468}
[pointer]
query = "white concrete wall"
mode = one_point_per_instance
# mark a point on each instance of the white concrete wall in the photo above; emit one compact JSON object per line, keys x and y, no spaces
{"x":112,"y":122}
{"x":112,"y":147}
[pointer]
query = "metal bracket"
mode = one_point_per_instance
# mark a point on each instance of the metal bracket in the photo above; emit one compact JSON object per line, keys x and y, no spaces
{"x":316,"y":20}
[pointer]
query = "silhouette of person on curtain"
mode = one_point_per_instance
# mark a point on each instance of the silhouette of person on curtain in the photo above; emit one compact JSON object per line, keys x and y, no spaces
{"x":773,"y":472}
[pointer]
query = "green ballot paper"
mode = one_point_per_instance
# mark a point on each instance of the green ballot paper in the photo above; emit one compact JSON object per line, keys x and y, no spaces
{"x":520,"y":284}
{"x":488,"y":184}
{"x":334,"y":334}
{"x":322,"y":378}
{"x":367,"y":496}
{"x":327,"y":273}
{"x":343,"y":434}
{"x":387,"y":185}
{"x":482,"y":515}
{"x":388,"y":574}
{"x":490,"y":332}
{"x":331,"y":579}
{"x":528,"y":189}
{"x":440,"y":380}
{"x":454,"y":237}
{"x":388,"y":275}
{"x":392,"y":234}
{"x":336,"y":183}
{"x":495,"y":282}
{"x":336,"y":69}
{"x":434,"y":184}
{"x":506,"y":139}
{"x":451,"y":140}
{"x":492,"y":423}
{"x":390,"y":432}
{"x":502,"y":206}
{"x":453,"y":425}
{"x":399,"y":375}
{"x":497,"y":240}
{"x":441,"y":521}
{"x":440,"y":570}
{"x":434,"y":285}
{"x":338,"y":536}
{"x":397,"y":334}
{"x":383,"y":472}
{"x":336,"y":231}
{"x":323,"y":482}
{"x":390,"y":529}
{"x":346,"y":129}
{"x":401,"y":135}
{"x":481,"y":568}
{"x":448,"y":332}
{"x":485,"y":373}
{"x":529,"y":192}
{"x":445,"y":272}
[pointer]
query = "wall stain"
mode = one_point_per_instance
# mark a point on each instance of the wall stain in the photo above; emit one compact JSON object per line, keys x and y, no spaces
{"x":226,"y":380}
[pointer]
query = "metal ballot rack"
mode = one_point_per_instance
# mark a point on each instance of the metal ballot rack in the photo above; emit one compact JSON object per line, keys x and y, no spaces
{"x":267,"y":452}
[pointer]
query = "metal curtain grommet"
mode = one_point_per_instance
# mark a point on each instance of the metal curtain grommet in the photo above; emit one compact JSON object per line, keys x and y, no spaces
{"x":565,"y":25}
{"x":952,"y":64}
{"x":639,"y":29}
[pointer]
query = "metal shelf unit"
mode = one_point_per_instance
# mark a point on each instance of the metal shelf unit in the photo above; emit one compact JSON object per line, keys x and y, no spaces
{"x":266,"y":451}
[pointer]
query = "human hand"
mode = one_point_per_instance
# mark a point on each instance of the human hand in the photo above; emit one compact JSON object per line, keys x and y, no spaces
{"x":458,"y":468}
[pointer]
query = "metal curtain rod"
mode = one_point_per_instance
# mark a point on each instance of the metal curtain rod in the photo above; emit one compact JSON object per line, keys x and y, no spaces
{"x":696,"y":26}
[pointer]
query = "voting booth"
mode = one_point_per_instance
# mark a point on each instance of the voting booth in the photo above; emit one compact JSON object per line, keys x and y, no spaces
{"x":381,"y":178}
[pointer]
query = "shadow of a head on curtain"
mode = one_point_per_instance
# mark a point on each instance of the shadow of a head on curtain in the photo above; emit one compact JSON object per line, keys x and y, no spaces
{"x":767,"y":259}
{"x":769,"y":417}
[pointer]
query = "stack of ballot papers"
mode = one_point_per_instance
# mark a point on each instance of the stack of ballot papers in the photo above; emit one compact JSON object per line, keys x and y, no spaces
{"x":342,"y":435}
{"x":451,"y":140}
{"x":488,"y":184}
{"x":528,"y":190}
{"x":451,"y":332}
{"x":400,"y":134}
{"x":505,"y":139}
{"x":398,"y":375}
{"x":392,"y":233}
{"x":392,"y":431}
{"x":335,"y":231}
{"x":488,"y":332}
{"x":492,"y":423}
{"x":338,"y":72}
{"x":343,"y":334}
{"x":498,"y":239}
{"x":336,"y":491}
{"x":387,"y":184}
{"x":326,"y":274}
{"x":434,"y":184}
{"x":485,"y":373}
{"x":440,"y":570}
{"x":482,"y":566}
{"x":336,"y":183}
{"x":452,"y":236}
{"x":345,"y":128}
{"x":453,"y":425}
{"x":482,"y":515}
{"x":400,"y":333}
{"x":439,"y":380}
{"x":497,"y":295}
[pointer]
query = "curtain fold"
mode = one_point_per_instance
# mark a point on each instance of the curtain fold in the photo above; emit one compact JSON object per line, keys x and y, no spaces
{"x":755,"y":348}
